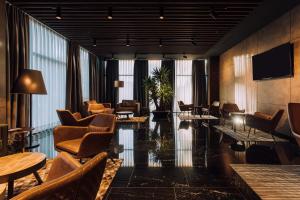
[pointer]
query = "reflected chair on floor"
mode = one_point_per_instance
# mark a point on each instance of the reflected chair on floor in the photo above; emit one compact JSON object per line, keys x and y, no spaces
{"x":68,"y":179}
{"x":73,"y":119}
{"x":86,"y":142}
{"x":294,"y":120}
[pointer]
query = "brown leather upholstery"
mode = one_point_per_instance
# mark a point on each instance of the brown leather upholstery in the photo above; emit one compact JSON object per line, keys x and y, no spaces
{"x":185,"y":107}
{"x":129,"y":105}
{"x":264,"y":122}
{"x":294,"y":119}
{"x":75,"y":119}
{"x":68,"y":179}
{"x":84,"y":142}
{"x":228,"y":108}
{"x":92,"y":107}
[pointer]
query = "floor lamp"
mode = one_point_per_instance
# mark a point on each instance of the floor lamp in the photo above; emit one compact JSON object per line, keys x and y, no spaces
{"x":29,"y":82}
{"x":117,"y":85}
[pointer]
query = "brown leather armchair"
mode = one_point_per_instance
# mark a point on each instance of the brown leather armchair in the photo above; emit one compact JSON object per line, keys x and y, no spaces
{"x":68,"y":179}
{"x":264,"y":122}
{"x":92,"y":107}
{"x":294,"y":116}
{"x":228,"y":108}
{"x":129,"y":105}
{"x":73,"y":119}
{"x":185,"y":107}
{"x":85,"y":142}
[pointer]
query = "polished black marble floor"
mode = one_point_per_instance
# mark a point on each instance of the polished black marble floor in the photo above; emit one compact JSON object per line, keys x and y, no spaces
{"x":173,"y":159}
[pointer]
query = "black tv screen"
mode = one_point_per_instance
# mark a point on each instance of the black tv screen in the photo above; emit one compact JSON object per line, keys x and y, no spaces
{"x":275,"y":63}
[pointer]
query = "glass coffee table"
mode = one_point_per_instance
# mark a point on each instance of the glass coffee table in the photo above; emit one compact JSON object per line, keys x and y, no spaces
{"x":121,"y":114}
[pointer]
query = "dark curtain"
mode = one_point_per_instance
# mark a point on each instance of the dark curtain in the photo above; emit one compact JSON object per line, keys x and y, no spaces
{"x":140,"y":74}
{"x":199,"y":77}
{"x":170,"y":65}
{"x":97,"y":79}
{"x":17,"y":60}
{"x":74,"y":89}
{"x":112,"y":74}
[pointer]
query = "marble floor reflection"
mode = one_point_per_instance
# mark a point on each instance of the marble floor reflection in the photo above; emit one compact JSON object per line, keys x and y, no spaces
{"x":173,"y":159}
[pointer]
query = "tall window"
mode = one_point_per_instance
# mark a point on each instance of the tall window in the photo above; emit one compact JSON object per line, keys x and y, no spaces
{"x":126,"y":74}
{"x":183,"y":82}
{"x":84,"y":68}
{"x":48,"y":54}
{"x":153,"y":64}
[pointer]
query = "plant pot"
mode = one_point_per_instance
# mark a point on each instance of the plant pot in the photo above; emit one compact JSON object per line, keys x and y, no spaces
{"x":160,"y":114}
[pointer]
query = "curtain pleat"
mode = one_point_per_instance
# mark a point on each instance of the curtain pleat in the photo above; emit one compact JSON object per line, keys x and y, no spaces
{"x":140,"y":74}
{"x":112,"y":74}
{"x":170,"y":65}
{"x":73,"y":89}
{"x":199,"y":76}
{"x":97,"y":79}
{"x":85,"y":77}
{"x":17,"y":60}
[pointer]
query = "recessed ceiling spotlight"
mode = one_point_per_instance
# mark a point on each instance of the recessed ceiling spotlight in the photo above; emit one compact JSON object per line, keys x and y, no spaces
{"x":162,"y":13}
{"x":127,"y":41}
{"x":194,"y":43}
{"x":160,"y":43}
{"x":58,"y":13}
{"x":213,"y":14}
{"x":109,"y":13}
{"x":94,"y":42}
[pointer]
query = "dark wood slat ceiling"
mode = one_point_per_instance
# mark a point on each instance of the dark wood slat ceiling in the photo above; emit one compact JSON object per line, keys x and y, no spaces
{"x":187,"y":27}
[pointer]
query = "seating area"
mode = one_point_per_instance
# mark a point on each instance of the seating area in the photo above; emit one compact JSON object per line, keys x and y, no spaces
{"x":138,"y":100}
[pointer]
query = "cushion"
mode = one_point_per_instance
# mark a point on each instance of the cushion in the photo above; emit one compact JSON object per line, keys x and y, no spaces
{"x":71,"y":146}
{"x":92,"y":128}
{"x":96,"y":106}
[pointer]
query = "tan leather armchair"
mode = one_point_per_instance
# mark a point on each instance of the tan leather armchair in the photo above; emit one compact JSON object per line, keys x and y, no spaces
{"x":85,"y":142}
{"x":68,"y":179}
{"x":92,"y":107}
{"x":129,"y":105}
{"x":73,"y":119}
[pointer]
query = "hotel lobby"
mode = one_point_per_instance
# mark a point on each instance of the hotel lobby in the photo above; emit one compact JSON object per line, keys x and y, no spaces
{"x":134,"y":100}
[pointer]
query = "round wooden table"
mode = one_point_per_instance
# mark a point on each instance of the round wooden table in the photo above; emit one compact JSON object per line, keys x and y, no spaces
{"x":20,"y":165}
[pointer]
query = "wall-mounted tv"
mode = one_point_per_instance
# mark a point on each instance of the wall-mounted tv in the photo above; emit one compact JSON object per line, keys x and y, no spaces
{"x":275,"y":63}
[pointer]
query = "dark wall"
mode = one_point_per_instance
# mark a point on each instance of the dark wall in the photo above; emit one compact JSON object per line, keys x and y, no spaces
{"x":214,"y":78}
{"x":2,"y":63}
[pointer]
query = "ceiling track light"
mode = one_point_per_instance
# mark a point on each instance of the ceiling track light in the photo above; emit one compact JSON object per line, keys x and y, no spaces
{"x":162,"y":14}
{"x":94,"y":42}
{"x":184,"y":56}
{"x":160,"y":43}
{"x":109,"y":13}
{"x":213,"y":14}
{"x":194,"y":43}
{"x":58,"y":13}
{"x":127,"y":41}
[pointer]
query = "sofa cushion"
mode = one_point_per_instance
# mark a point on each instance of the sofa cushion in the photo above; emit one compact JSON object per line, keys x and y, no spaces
{"x":92,"y":128}
{"x":71,"y":146}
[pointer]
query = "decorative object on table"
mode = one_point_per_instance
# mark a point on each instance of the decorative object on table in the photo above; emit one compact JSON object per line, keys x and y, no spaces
{"x":86,"y":142}
{"x":186,"y":107}
{"x":68,"y":179}
{"x":73,"y":119}
{"x":92,"y":107}
{"x":264,"y":122}
{"x":16,"y":139}
{"x":3,"y":139}
{"x":111,"y":169}
{"x":294,"y":116}
{"x":129,"y":105}
{"x":20,"y":165}
{"x":30,"y":82}
{"x":120,"y":115}
{"x":160,"y":92}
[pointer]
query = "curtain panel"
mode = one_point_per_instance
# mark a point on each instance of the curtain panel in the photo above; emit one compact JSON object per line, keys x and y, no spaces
{"x":97,"y":78}
{"x":73,"y":85}
{"x":85,"y":73}
{"x":170,"y":65}
{"x":17,"y":60}
{"x":112,"y":74}
{"x":199,"y":76}
{"x":140,"y":74}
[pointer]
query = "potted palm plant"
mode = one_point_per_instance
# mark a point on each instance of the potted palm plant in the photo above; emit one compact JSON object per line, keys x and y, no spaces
{"x":160,"y":92}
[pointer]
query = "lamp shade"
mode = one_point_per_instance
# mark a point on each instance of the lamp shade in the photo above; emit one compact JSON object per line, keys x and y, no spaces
{"x":119,"y":84}
{"x":29,"y":82}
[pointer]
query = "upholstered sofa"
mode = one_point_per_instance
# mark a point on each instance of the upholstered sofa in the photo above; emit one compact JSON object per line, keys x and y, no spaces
{"x":92,"y":107}
{"x":129,"y":105}
{"x":68,"y":179}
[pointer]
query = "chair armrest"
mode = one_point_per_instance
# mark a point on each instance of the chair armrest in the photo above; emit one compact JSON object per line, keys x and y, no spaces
{"x":85,"y":121}
{"x":94,"y":143}
{"x":107,"y":105}
{"x":64,"y":163}
{"x":64,"y":133}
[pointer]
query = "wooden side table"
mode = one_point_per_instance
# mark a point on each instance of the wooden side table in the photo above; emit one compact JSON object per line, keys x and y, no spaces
{"x":20,"y":165}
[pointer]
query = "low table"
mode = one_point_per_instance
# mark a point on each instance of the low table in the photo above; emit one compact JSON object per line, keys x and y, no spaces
{"x":20,"y":165}
{"x":124,"y":113}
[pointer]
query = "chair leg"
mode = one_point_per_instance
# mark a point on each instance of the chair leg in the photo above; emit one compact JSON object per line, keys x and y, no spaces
{"x":249,"y":132}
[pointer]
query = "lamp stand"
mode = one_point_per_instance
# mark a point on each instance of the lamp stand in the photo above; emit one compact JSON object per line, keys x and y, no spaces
{"x":30,"y":146}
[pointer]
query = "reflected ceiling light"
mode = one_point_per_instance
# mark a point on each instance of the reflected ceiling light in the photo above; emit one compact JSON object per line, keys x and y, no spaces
{"x":58,"y":13}
{"x":213,"y":14}
{"x":94,"y":42}
{"x":160,"y":43}
{"x":109,"y":13}
{"x":162,"y":14}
